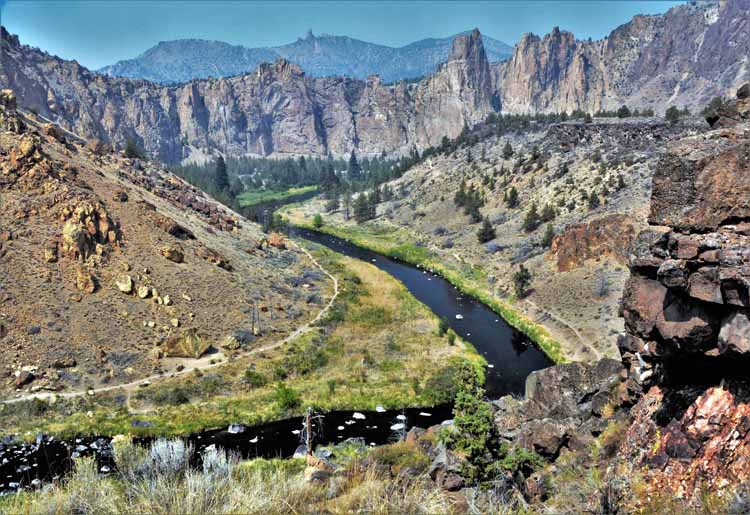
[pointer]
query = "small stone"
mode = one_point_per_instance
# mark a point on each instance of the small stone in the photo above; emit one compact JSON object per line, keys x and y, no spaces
{"x":85,"y":281}
{"x":175,"y":322}
{"x":144,"y":291}
{"x":173,"y":253}
{"x":24,"y":377}
{"x":166,"y":300}
{"x":125,"y":284}
{"x":151,"y":324}
{"x":188,"y":298}
{"x":125,"y":266}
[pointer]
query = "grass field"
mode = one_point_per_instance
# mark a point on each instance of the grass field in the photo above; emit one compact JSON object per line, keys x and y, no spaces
{"x":378,"y":345}
{"x":251,"y":198}
{"x":396,"y":242}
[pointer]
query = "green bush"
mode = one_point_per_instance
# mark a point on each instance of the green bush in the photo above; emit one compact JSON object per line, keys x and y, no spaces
{"x":254,"y":379}
{"x":287,"y":398}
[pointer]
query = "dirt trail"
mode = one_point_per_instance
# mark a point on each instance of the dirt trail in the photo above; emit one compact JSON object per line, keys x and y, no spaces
{"x":540,"y":314}
{"x":191,"y":365}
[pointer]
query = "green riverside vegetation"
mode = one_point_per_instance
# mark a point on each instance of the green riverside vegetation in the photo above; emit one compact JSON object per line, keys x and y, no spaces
{"x":395,"y":243}
{"x":377,"y":345}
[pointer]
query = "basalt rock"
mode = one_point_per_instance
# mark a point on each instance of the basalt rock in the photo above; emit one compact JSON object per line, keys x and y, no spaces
{"x":608,"y":236}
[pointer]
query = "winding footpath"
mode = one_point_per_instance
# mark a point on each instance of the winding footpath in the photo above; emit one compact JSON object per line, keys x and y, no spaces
{"x":197,"y":364}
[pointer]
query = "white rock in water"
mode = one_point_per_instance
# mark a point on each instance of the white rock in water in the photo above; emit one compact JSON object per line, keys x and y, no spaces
{"x":104,"y":469}
{"x":423,"y":414}
{"x":295,"y":431}
{"x":340,"y":428}
{"x":254,"y":440}
{"x":397,"y":427}
{"x":401,"y":417}
{"x":349,"y":422}
{"x":359,"y":416}
{"x":235,"y":429}
{"x":490,"y":366}
{"x":447,"y":422}
{"x":380,"y":409}
{"x":459,"y":317}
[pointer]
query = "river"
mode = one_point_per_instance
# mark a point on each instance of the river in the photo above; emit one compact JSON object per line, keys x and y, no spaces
{"x":510,"y":356}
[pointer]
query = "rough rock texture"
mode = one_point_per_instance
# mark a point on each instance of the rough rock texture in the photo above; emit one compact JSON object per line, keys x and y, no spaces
{"x":73,"y":262}
{"x":705,"y":447}
{"x":687,"y":56}
{"x":686,"y":314}
{"x":275,"y":110}
{"x":608,"y":236}
{"x":688,"y":292}
{"x":562,"y":407}
{"x":684,"y":57}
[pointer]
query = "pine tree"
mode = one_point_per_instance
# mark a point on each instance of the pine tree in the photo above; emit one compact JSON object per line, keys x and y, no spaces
{"x":354,"y":169}
{"x":221,"y":179}
{"x":507,"y":150}
{"x":362,"y":208}
{"x":486,"y":232}
{"x":347,"y":205}
{"x":318,"y":221}
{"x":512,"y":197}
{"x":548,"y":213}
{"x":532,"y":221}
{"x":521,"y":281}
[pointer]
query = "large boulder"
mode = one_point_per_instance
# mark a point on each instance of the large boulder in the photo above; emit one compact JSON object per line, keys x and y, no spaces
{"x":734,"y":335}
{"x":446,"y":469}
{"x":189,"y":344}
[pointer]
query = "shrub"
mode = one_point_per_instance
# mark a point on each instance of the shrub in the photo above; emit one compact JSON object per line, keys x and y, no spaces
{"x":132,"y":150}
{"x":443,"y":326}
{"x":254,"y":379}
{"x":486,"y":232}
{"x":318,"y":221}
{"x":549,"y":235}
{"x":287,"y":398}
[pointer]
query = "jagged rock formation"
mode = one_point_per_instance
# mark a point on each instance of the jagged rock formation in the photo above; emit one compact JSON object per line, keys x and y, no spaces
{"x":97,"y":277}
{"x":684,"y":57}
{"x":686,"y":313}
{"x":318,"y":55}
{"x":276,"y":110}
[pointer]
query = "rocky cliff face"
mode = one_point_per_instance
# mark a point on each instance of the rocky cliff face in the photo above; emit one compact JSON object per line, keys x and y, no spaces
{"x":684,"y":57}
{"x":686,"y":313}
{"x":277,"y":110}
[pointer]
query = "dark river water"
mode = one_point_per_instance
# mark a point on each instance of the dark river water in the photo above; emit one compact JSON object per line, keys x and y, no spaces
{"x":509,"y":354}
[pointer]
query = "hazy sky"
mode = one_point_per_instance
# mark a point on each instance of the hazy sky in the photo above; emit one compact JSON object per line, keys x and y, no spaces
{"x":100,"y":32}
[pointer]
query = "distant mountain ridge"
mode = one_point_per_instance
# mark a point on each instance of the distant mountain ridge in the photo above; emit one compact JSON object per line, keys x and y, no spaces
{"x":183,"y":60}
{"x":685,"y":57}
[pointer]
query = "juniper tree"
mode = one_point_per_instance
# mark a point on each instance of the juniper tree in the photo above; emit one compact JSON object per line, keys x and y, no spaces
{"x":486,"y":232}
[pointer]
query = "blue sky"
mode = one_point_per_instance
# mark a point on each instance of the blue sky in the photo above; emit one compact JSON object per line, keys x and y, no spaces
{"x":100,"y":32}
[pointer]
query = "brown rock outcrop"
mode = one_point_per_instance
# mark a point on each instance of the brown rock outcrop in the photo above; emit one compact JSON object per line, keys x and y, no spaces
{"x":686,"y":314}
{"x":610,"y":236}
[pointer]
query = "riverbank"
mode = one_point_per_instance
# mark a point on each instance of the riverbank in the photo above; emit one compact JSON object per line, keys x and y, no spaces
{"x":397,"y":243}
{"x":376,"y":346}
{"x":253,"y":198}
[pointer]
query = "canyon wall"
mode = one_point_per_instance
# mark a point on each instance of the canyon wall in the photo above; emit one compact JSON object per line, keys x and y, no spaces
{"x":684,"y":57}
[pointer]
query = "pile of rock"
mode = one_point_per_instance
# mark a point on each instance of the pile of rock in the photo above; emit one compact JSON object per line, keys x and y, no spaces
{"x":688,"y":294}
{"x":687,"y":314}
